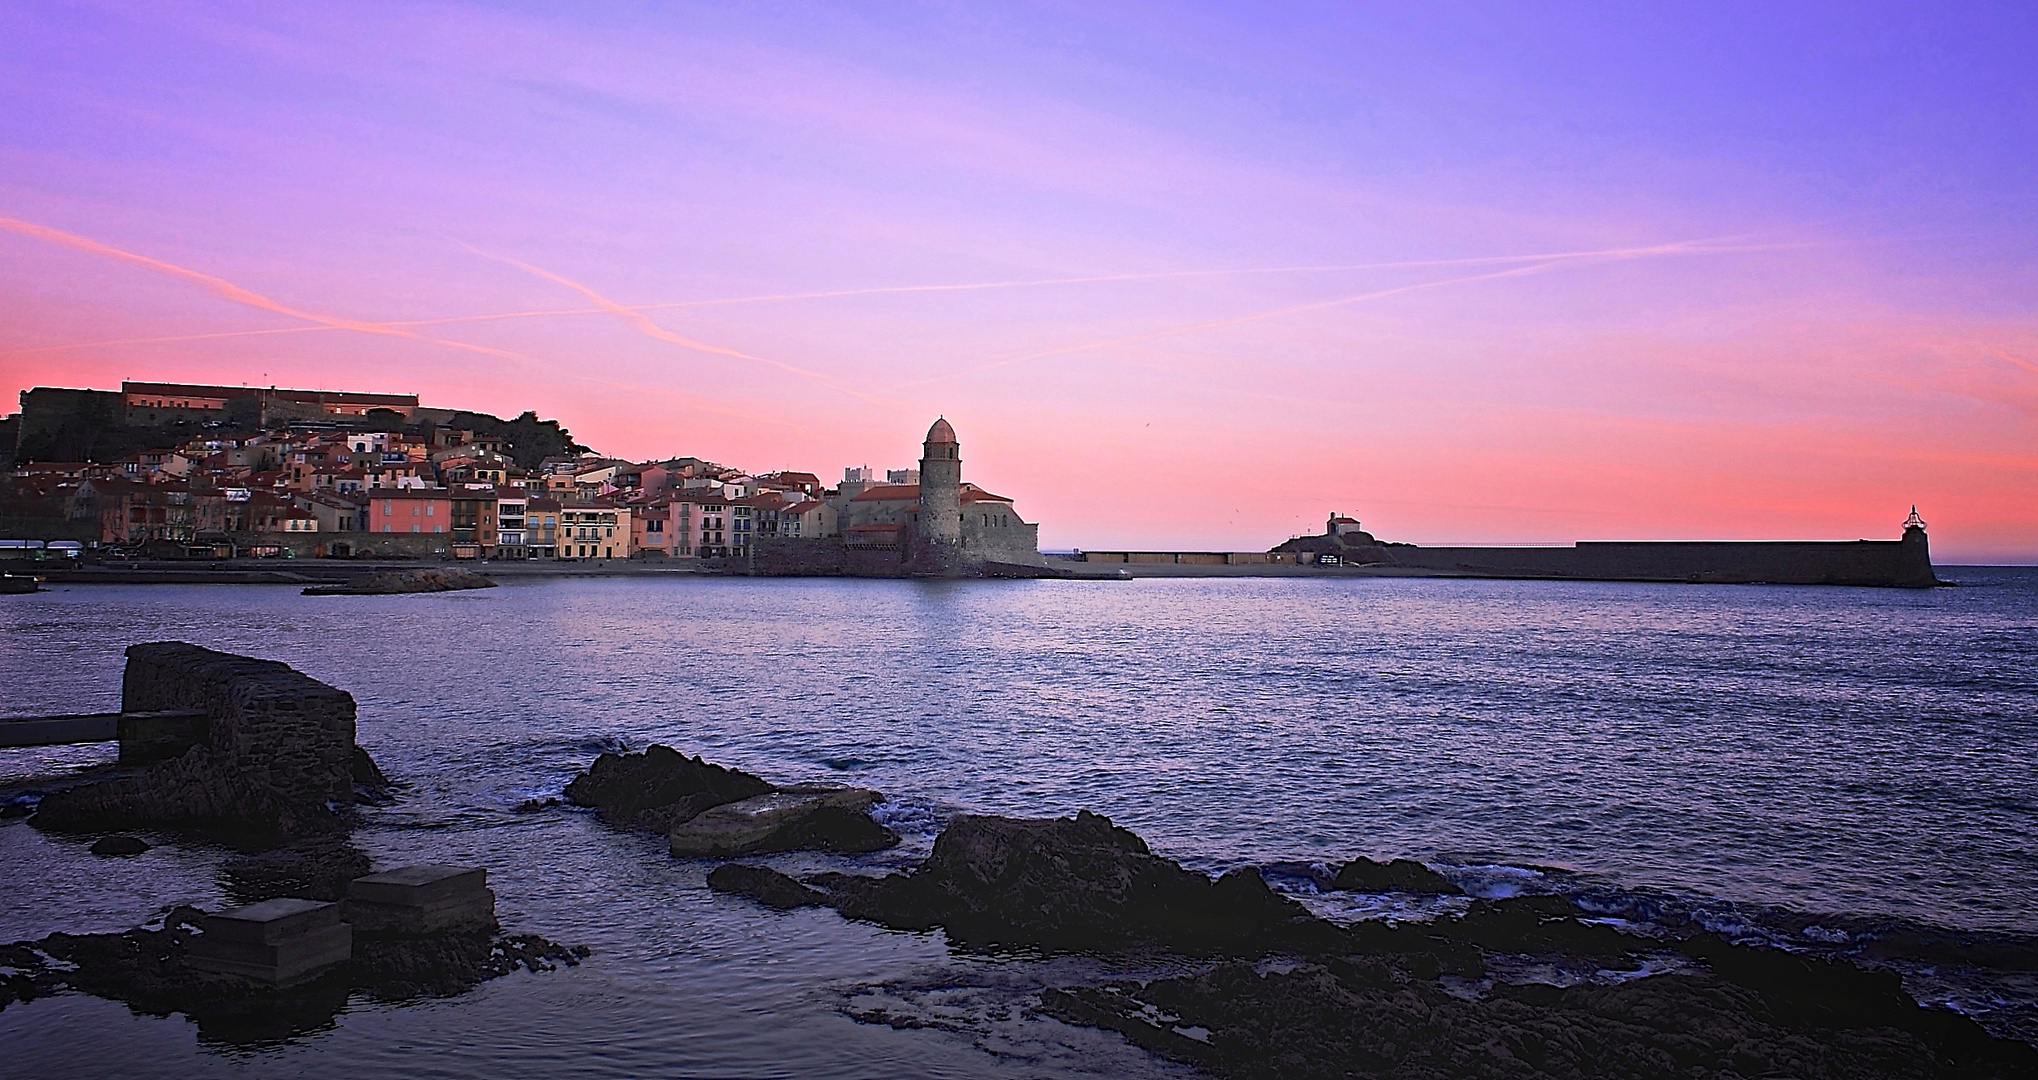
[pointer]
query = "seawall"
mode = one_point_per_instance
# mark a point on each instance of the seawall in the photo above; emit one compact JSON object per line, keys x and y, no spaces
{"x":1891,"y":563}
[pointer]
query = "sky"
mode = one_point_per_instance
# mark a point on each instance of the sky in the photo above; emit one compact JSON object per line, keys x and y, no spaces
{"x":1182,"y":276}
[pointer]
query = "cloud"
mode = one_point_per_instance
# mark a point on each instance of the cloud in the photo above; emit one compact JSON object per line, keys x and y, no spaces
{"x":227,"y":290}
{"x":643,"y":324}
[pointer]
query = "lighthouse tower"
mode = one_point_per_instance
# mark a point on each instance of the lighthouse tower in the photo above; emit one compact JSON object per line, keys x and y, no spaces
{"x":938,"y":532}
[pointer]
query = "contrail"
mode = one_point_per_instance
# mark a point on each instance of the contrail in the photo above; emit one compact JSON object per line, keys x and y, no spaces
{"x":2025,"y":364}
{"x":644,"y":325}
{"x":227,"y":290}
{"x":1189,"y":328}
{"x":1693,"y":247}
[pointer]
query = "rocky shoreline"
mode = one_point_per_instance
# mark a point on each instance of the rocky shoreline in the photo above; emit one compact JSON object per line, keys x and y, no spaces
{"x":1288,"y":994}
{"x":1258,"y":985}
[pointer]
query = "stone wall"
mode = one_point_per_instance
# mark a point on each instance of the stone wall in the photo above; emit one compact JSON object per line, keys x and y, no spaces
{"x":278,"y":750}
{"x":1856,"y":562}
{"x":799,"y":556}
{"x":283,"y":727}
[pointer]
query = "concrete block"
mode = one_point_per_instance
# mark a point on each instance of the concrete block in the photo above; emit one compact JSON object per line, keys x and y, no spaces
{"x":417,"y":886}
{"x":271,"y":921}
{"x":466,"y":911}
{"x":276,"y":942}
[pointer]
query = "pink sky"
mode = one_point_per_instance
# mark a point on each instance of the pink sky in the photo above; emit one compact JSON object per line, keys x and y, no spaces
{"x":1179,"y":277}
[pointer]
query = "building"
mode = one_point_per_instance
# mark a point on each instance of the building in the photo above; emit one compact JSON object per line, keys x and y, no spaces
{"x":593,"y":529}
{"x":541,"y":527}
{"x":511,"y":537}
{"x":941,"y":526}
{"x":155,"y":403}
{"x":410,"y":510}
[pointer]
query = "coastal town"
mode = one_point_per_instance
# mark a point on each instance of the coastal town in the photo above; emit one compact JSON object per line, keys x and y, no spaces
{"x":306,"y":474}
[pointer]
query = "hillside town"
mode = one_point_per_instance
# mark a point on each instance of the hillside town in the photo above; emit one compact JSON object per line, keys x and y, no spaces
{"x":287,"y":473}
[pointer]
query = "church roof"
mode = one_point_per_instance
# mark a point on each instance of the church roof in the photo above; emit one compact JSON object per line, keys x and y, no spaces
{"x":888,"y":491}
{"x":941,"y":432}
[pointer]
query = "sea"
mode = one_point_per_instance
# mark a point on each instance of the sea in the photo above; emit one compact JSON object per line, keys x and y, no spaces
{"x":1826,"y":770}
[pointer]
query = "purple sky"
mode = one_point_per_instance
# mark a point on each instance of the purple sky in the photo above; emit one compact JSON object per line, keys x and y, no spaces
{"x":1468,"y":272}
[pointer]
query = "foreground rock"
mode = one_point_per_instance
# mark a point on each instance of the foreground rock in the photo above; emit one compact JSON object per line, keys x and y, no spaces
{"x":1373,"y":1000}
{"x":150,"y":970}
{"x":764,"y":885}
{"x":658,"y":788}
{"x":1400,"y":875}
{"x":273,"y":758}
{"x":708,"y":811}
{"x":389,"y":582}
{"x":286,"y":965}
{"x":1077,"y":883}
{"x":316,"y":869}
{"x":1361,"y":1017}
{"x":801,"y":818}
{"x":119,"y":845}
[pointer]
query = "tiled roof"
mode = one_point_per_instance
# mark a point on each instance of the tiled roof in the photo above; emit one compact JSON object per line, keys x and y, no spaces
{"x":890,"y":492}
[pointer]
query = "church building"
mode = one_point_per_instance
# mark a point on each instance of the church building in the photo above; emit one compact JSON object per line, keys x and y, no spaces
{"x":942,"y":526}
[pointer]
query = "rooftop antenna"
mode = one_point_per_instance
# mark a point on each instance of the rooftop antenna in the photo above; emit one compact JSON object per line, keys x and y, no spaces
{"x":1914,"y":521}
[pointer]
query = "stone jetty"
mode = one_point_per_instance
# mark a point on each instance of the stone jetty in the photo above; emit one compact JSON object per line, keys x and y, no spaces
{"x":216,"y":741}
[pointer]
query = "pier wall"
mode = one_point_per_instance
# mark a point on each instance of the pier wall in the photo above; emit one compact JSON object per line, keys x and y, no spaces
{"x":1850,"y":562}
{"x":275,"y":752}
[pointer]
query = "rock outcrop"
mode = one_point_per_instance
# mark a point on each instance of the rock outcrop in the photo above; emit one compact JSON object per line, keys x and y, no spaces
{"x":1372,"y":1000}
{"x":708,"y":811}
{"x":390,"y":582}
{"x":275,"y":755}
{"x":808,"y":817}
{"x":1361,"y":1017}
{"x":1077,"y":883}
{"x":150,"y":971}
{"x":658,"y":788}
{"x":764,"y":885}
{"x":1400,"y":875}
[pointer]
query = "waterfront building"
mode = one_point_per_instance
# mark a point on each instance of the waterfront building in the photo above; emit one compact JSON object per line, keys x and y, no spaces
{"x":593,"y":529}
{"x":410,"y":510}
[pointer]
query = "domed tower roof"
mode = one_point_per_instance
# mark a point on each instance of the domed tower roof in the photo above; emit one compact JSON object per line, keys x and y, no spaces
{"x":941,"y":432}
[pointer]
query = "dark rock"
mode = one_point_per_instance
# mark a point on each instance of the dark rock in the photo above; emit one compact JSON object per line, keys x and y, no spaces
{"x":314,"y":869}
{"x":390,"y":582}
{"x":1538,"y":924}
{"x":206,"y":790}
{"x":16,"y":808}
{"x":810,"y":817}
{"x":1400,"y":875}
{"x":1076,"y":883}
{"x":119,"y":845}
{"x":365,"y":773}
{"x":659,"y":788}
{"x":1360,"y":1018}
{"x":764,"y":885}
{"x":147,"y":970}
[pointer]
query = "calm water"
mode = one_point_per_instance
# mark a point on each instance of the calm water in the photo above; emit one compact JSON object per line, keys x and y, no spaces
{"x":1731,"y":750}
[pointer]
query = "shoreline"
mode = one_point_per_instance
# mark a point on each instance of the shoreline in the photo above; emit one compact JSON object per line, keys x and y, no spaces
{"x":333,"y":571}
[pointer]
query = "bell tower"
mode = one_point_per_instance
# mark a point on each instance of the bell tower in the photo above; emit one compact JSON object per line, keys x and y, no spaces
{"x":941,"y":486}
